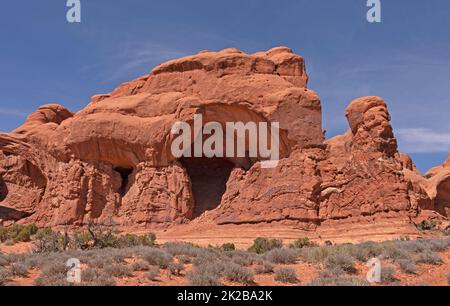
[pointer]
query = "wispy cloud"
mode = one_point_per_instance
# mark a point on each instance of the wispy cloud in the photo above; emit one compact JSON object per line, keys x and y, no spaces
{"x":423,"y":140}
{"x":139,"y":56}
{"x":13,"y":112}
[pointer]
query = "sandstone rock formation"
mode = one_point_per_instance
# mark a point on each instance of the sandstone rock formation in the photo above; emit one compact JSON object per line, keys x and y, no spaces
{"x":113,"y":159}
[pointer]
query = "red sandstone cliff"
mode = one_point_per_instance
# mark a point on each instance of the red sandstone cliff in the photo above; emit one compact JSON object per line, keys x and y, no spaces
{"x":113,"y":158}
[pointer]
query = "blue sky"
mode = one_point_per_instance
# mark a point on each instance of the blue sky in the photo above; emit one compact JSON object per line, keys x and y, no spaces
{"x":405,"y":59}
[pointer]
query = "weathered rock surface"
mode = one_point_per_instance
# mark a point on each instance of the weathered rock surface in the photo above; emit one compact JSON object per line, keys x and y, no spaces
{"x":113,"y":159}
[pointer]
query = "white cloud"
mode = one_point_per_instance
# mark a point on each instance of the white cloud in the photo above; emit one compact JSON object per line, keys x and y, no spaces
{"x":423,"y":140}
{"x":141,"y":55}
{"x":13,"y":112}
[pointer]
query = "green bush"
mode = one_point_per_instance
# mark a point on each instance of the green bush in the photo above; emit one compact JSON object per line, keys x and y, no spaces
{"x":136,"y":240}
{"x":101,"y":239}
{"x":427,"y":225}
{"x":264,"y":245}
{"x":303,"y":243}
{"x":18,"y":233}
{"x":228,"y":247}
{"x":3,"y":234}
{"x":48,"y":241}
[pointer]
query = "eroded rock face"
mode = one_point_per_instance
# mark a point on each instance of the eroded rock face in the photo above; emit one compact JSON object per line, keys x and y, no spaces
{"x":113,"y":159}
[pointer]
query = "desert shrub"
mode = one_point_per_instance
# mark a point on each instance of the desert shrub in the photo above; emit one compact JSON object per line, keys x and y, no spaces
{"x":393,"y":251}
{"x":101,"y":237}
{"x":175,"y":268}
{"x":241,"y":258}
{"x":181,"y":248}
{"x":427,"y":225}
{"x":286,"y":275}
{"x":10,"y":242}
{"x":206,"y":256}
{"x":3,"y":234}
{"x":153,"y":273}
{"x":429,"y":257}
{"x":367,"y":250}
{"x":407,"y":266}
{"x":82,"y":240}
{"x":333,"y":272}
{"x":140,"y":266}
{"x":204,"y":278}
{"x":98,"y":261}
{"x":118,"y":270}
{"x":282,"y":256}
{"x":264,"y":245}
{"x":315,"y":254}
{"x":4,"y":261}
{"x":48,"y":241}
{"x":238,"y":274}
{"x":303,"y":243}
{"x":24,"y":235}
{"x":5,"y":274}
{"x":184,"y":259}
{"x":340,"y":261}
{"x":19,"y":270}
{"x":264,"y":268}
{"x":208,"y":273}
{"x":438,"y":245}
{"x":129,"y":240}
{"x":95,"y":277}
{"x":156,"y":257}
{"x":90,"y":275}
{"x":387,"y":274}
{"x":17,"y":233}
{"x":117,"y":255}
{"x":339,"y":282}
{"x":53,"y":274}
{"x":228,"y":247}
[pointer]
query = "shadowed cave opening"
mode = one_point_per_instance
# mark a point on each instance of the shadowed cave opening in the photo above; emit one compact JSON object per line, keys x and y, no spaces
{"x":125,"y":175}
{"x":443,"y":198}
{"x":209,"y":177}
